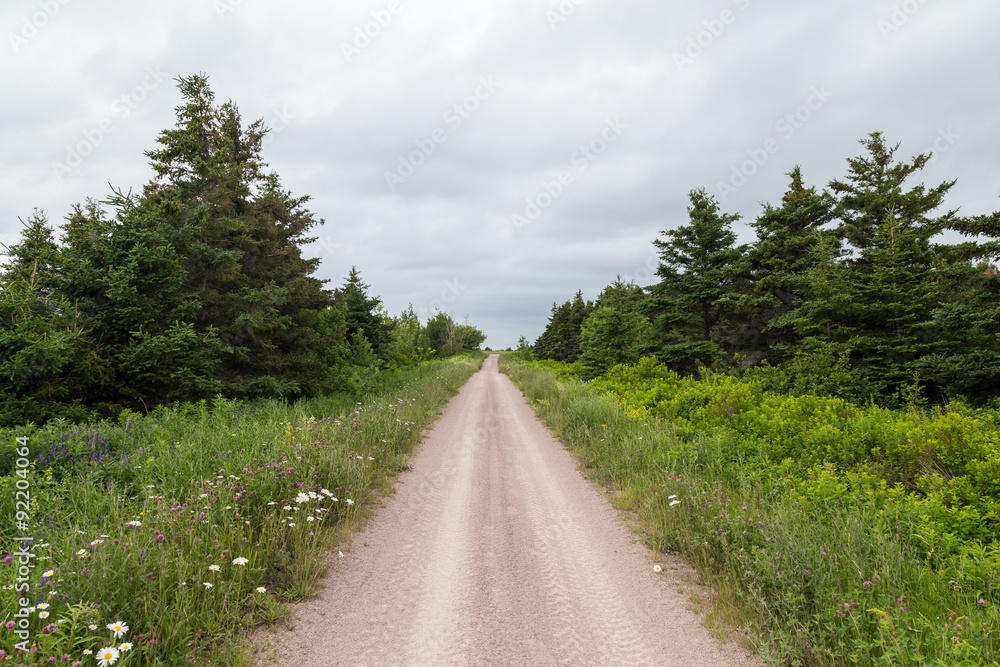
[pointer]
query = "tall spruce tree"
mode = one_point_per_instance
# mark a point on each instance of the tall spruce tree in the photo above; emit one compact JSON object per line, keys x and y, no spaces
{"x":238,"y":235}
{"x":892,"y":269}
{"x":770,"y":279}
{"x":695,"y":261}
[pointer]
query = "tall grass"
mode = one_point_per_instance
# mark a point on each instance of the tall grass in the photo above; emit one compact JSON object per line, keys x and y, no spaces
{"x":194,"y":524}
{"x":821,"y":566}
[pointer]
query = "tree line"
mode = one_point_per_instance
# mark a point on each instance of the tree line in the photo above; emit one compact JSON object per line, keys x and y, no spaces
{"x":195,"y":287}
{"x":849,"y":291}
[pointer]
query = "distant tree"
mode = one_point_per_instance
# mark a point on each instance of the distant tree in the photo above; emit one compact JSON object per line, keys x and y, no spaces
{"x":616,"y":332}
{"x":967,"y":315}
{"x":561,"y":339}
{"x":364,"y":315}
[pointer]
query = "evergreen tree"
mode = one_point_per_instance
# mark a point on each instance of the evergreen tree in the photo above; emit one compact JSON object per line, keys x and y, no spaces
{"x":561,"y":339}
{"x":892,"y":271}
{"x":238,"y":236}
{"x":695,"y":261}
{"x":364,"y":316}
{"x":771,"y":277}
{"x":616,"y":332}
{"x":967,"y":315}
{"x":47,"y":356}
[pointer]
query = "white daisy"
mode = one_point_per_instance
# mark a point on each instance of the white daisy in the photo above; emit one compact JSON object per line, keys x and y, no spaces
{"x":107,"y":656}
{"x":118,"y":628}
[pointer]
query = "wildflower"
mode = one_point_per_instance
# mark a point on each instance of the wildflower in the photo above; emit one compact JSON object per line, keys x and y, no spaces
{"x":81,"y":553}
{"x":125,"y":647}
{"x":207,"y":584}
{"x":213,"y":568}
{"x":95,"y":542}
{"x":982,"y":601}
{"x":241,"y":561}
{"x":118,"y":628}
{"x":107,"y":656}
{"x":43,"y":605}
{"x":291,"y":524}
{"x":92,"y":626}
{"x":43,"y":614}
{"x":349,"y":501}
{"x":261,"y":589}
{"x":133,"y":524}
{"x":87,"y":651}
{"x":868,"y":584}
{"x":671,"y":497}
{"x":674,"y":502}
{"x":48,"y":573}
{"x":657,"y":569}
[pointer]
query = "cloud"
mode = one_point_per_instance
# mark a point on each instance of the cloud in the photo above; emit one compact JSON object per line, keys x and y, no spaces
{"x":443,"y":237}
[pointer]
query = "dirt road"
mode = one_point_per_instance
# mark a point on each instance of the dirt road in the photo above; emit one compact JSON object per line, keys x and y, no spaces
{"x":496,"y":551}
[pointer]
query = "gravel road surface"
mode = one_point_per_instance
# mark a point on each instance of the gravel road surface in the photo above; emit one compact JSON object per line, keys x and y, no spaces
{"x":495,"y":550}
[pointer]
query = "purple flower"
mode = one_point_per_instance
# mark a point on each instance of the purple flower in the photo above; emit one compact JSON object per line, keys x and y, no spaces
{"x":867,"y":584}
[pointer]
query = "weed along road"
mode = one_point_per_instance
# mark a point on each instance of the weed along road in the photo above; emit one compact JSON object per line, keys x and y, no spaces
{"x":495,"y":550}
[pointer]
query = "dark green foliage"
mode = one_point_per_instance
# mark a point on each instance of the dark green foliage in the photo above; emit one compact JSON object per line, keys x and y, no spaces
{"x":239,"y":234}
{"x":561,"y":339}
{"x":770,"y":279}
{"x":364,"y":316}
{"x":616,"y":332}
{"x":446,"y":338}
{"x":848,"y":292}
{"x":695,"y":261}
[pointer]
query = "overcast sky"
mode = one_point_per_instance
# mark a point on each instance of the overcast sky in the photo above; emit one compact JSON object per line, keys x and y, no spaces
{"x":489,"y":158}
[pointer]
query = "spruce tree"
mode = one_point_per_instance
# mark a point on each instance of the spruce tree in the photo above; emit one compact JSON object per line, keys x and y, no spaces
{"x":770,"y":279}
{"x":695,"y":261}
{"x":238,"y":235}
